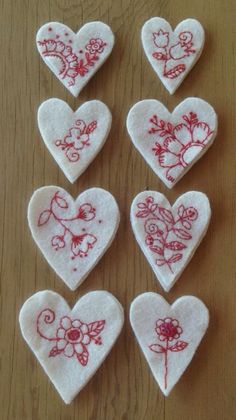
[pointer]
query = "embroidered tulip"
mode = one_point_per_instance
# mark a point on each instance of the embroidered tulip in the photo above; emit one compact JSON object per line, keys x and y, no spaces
{"x":161,"y":38}
{"x":58,"y":242}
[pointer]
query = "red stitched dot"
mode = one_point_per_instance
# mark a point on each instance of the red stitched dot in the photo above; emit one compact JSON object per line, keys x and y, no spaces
{"x":57,"y":36}
{"x":50,"y":29}
{"x":72,"y":258}
{"x":66,"y":34}
{"x":70,"y":41}
{"x":74,"y":269}
{"x":100,"y":221}
{"x":81,"y":51}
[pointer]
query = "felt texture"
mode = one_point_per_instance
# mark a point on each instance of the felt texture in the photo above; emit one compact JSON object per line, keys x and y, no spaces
{"x":172,"y":142}
{"x":71,"y":344}
{"x":172,"y":54}
{"x":74,"y":58}
{"x":74,"y":138}
{"x":169,"y":236}
{"x":73,"y":235}
{"x":168,"y":334}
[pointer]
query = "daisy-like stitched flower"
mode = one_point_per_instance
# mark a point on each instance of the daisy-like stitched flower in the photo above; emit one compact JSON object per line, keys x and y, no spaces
{"x":72,"y":336}
{"x":95,"y":45}
{"x":168,"y":330}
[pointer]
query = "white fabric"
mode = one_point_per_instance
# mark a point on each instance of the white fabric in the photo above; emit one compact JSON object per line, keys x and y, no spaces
{"x":59,"y":355}
{"x":192,"y":318}
{"x":73,"y":57}
{"x":192,"y":129}
{"x":68,"y":136}
{"x":182,"y":48}
{"x":73,"y":235}
{"x":169,"y":236}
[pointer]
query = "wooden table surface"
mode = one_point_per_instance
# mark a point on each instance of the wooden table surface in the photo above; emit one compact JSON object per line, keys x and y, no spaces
{"x":123,"y":388}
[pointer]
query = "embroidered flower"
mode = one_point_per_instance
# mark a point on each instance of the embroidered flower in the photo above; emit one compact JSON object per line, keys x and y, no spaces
{"x":168,"y":329}
{"x":179,"y":145}
{"x":95,"y":45}
{"x":58,"y":242}
{"x":161,"y":38}
{"x":81,"y":244}
{"x":71,"y":336}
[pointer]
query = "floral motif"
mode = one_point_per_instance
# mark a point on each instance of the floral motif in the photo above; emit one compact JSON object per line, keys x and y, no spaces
{"x":80,"y":244}
{"x":70,"y":63}
{"x":76,"y":140}
{"x":169,"y":53}
{"x":72,"y":336}
{"x":165,"y":235}
{"x":168,"y":330}
{"x":177,"y":145}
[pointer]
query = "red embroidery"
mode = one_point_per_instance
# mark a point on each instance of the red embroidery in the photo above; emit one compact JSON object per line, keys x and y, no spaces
{"x":70,"y":64}
{"x":80,"y":244}
{"x":171,"y":53}
{"x":72,"y":337}
{"x":163,"y":232}
{"x":177,"y":145}
{"x":76,"y":140}
{"x":168,"y":329}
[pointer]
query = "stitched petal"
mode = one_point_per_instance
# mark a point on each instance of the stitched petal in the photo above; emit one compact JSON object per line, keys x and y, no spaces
{"x":69,"y":350}
{"x":76,"y":323}
{"x":84,"y":328}
{"x":66,"y":322}
{"x":86,"y":339}
{"x":168,"y":159}
{"x":182,"y":133}
{"x":200,"y":132}
{"x":61,"y":333}
{"x":61,"y":344}
{"x":78,"y":348}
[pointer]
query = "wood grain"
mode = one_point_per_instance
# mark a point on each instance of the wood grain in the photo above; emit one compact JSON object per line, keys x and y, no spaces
{"x":123,"y":388}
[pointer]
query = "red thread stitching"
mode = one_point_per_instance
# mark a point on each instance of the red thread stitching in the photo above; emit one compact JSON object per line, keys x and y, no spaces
{"x":77,"y":139}
{"x":176,"y":142}
{"x":167,"y":330}
{"x":72,"y":336}
{"x":163,"y":231}
{"x":70,"y":65}
{"x":177,"y":52}
{"x":80,"y":244}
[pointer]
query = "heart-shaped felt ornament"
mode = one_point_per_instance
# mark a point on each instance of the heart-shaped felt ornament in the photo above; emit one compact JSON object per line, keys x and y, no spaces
{"x":168,"y":334}
{"x":169,"y":236}
{"x":71,"y":344}
{"x":172,"y":54}
{"x":73,"y":235}
{"x":74,"y":138}
{"x":172,"y":143}
{"x":74,"y":58}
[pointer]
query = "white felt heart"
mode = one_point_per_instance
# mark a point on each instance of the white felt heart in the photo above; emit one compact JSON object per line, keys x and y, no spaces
{"x":74,"y":58}
{"x":168,"y":335}
{"x":169,"y":236}
{"x":172,"y":143}
{"x":74,"y":138}
{"x":71,"y":344}
{"x":172,"y":54}
{"x":73,"y":235}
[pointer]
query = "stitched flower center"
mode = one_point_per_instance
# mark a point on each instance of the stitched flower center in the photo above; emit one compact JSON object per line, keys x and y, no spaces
{"x":168,"y":330}
{"x":73,"y":335}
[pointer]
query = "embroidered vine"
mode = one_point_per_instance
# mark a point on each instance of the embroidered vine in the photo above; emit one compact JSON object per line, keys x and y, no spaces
{"x":168,"y":330}
{"x":80,"y":244}
{"x":69,"y":63}
{"x":169,"y":53}
{"x":165,"y":235}
{"x":76,"y":140}
{"x":177,"y":145}
{"x":72,"y":336}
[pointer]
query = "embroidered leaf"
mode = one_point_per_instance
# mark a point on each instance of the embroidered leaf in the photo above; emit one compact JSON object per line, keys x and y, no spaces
{"x":141,"y":205}
{"x":54,"y":351}
{"x":44,"y":217}
{"x":175,"y":258}
{"x":94,"y":328}
{"x":83,"y":357}
{"x":178,"y":346}
{"x":157,"y":348}
{"x":61,"y":202}
{"x":175,"y":72}
{"x":158,"y":250}
{"x":181,"y":210}
{"x":182,"y":234}
{"x":175,"y":246}
{"x":166,"y":215}
{"x":154,"y":207}
{"x":143,"y":213}
{"x":160,"y":262}
{"x":91,"y":127}
{"x":157,"y":149}
{"x":159,"y":56}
